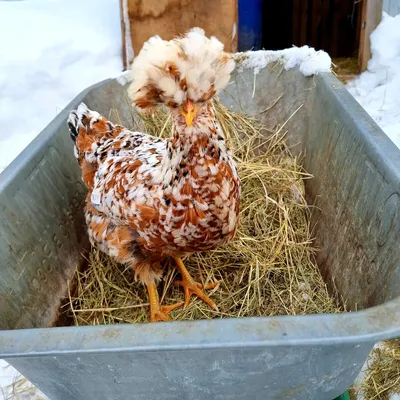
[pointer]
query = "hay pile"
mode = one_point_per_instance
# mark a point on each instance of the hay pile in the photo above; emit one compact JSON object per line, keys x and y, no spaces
{"x":345,"y":65}
{"x":345,"y":68}
{"x":382,"y":377}
{"x":269,"y":269}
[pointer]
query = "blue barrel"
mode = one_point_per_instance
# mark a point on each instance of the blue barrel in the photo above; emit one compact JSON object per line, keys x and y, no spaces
{"x":250,"y":25}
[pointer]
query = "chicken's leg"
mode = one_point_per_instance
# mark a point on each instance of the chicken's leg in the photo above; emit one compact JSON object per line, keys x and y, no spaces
{"x":157,"y":311}
{"x":190,"y":286}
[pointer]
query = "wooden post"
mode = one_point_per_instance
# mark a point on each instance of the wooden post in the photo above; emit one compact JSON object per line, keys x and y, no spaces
{"x":169,"y":18}
{"x":123,"y":34}
{"x":371,"y":16}
{"x":127,"y":50}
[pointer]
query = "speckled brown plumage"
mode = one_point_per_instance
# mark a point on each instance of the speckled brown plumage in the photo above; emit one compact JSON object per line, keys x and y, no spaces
{"x":151,"y":198}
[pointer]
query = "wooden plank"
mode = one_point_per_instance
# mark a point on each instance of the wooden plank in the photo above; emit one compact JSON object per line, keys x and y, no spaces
{"x":127,"y":50}
{"x":316,"y":21}
{"x":296,"y":23}
{"x":371,"y":16}
{"x":343,"y":35}
{"x":169,"y":18}
{"x":335,"y":16}
{"x":303,"y":22}
{"x":123,"y":34}
{"x":386,"y":6}
{"x":358,"y":10}
{"x":326,"y":24}
{"x":395,"y":8}
{"x":392,"y":7}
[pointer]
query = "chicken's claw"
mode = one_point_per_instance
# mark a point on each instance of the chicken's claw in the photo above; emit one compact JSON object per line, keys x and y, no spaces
{"x":160,"y":313}
{"x":190,"y":286}
{"x":157,"y":311}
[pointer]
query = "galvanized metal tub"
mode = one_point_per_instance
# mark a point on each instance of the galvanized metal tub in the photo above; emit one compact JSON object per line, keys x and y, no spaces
{"x":356,"y":185}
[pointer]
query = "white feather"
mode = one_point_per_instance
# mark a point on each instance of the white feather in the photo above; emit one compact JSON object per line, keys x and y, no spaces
{"x":199,"y":61}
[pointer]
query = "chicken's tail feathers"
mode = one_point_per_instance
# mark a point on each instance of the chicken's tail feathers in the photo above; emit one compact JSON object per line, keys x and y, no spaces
{"x":73,"y":125}
{"x":82,"y":118}
{"x":89,"y":129}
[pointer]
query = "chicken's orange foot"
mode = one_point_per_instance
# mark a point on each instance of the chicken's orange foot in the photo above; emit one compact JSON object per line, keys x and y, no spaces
{"x":190,"y":286}
{"x":157,"y":311}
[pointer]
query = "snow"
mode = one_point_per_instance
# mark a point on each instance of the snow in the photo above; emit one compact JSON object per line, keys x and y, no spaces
{"x":309,"y":61}
{"x":50,"y":50}
{"x":378,"y":88}
{"x":14,"y":387}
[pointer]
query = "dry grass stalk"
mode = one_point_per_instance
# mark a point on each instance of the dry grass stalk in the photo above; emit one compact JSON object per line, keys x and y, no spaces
{"x":382,"y":379}
{"x":346,"y":65}
{"x":21,"y":389}
{"x":269,"y":269}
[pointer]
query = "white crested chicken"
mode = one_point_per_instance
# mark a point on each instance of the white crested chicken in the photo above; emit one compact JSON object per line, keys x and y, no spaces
{"x":151,"y":198}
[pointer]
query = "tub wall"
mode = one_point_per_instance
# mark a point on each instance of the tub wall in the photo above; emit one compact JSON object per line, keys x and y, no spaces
{"x":356,"y":173}
{"x":356,"y":226}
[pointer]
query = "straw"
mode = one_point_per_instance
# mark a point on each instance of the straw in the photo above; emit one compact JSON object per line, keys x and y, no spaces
{"x":382,"y":379}
{"x":269,"y":269}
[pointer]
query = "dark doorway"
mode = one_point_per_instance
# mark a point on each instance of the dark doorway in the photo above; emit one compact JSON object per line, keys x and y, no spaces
{"x":330,"y":25}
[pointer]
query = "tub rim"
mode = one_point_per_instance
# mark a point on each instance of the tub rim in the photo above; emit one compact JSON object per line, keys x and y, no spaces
{"x":370,"y":325}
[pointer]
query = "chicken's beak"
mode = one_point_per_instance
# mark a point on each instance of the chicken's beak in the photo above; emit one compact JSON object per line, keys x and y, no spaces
{"x":189,"y":111}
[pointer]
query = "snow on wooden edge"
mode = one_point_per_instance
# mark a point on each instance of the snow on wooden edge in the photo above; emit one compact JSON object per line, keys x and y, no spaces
{"x":308,"y":60}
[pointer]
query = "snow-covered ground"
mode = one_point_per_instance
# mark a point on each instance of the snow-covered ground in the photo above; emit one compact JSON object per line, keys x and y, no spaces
{"x":50,"y":50}
{"x":378,"y":89}
{"x":13,"y":386}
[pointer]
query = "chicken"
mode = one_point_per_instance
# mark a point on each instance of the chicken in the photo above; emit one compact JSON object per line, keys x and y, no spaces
{"x":151,"y":198}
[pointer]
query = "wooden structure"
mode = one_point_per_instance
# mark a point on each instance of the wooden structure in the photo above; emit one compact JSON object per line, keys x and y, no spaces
{"x":141,"y":19}
{"x":371,"y":16}
{"x":392,"y":7}
{"x":326,"y":24}
{"x":331,"y":25}
{"x":340,"y":27}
